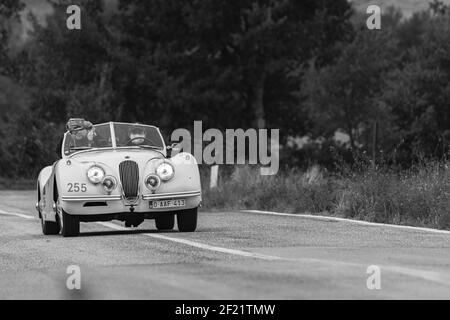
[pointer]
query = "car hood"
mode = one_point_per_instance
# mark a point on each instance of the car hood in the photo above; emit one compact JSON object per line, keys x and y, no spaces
{"x":115,"y":156}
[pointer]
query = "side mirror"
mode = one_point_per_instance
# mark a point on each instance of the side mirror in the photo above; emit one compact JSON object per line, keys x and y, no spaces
{"x":173,"y":147}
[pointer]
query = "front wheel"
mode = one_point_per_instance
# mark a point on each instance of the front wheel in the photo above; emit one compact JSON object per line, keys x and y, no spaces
{"x":165,"y":221}
{"x":49,"y":227}
{"x":187,"y":220}
{"x":70,"y":225}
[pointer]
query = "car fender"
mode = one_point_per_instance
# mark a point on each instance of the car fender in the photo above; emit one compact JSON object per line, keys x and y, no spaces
{"x":186,"y":178}
{"x":44,"y":193}
{"x":71,"y":180}
{"x":44,"y":175}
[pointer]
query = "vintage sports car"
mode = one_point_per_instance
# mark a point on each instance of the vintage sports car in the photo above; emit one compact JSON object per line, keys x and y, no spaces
{"x":117,"y":171}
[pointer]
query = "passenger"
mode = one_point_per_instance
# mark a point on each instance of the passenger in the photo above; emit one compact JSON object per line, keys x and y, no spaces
{"x":81,"y":134}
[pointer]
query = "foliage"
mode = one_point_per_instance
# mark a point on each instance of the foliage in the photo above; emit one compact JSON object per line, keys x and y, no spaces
{"x":346,"y":94}
{"x":418,"y":94}
{"x":309,"y":67}
{"x":397,"y":79}
{"x":226,"y":63}
{"x":417,"y":196}
{"x":9,"y":14}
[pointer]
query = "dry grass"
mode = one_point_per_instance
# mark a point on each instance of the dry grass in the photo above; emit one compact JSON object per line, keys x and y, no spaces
{"x":418,"y":197}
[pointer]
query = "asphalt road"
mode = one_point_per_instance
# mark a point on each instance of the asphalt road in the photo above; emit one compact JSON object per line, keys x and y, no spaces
{"x":233,"y":255}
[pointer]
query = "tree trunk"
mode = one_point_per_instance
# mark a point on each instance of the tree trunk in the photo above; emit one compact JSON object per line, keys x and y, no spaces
{"x":352,"y":138}
{"x":104,"y":77}
{"x":348,"y":119}
{"x":103,"y":91}
{"x":350,"y":130}
{"x":375,"y":143}
{"x":258,"y":101}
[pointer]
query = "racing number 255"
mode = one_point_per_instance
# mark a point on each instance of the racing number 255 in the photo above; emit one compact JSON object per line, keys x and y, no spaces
{"x":76,"y":187}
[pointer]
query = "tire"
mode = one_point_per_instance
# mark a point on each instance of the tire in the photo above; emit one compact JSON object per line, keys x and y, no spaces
{"x":187,"y":220}
{"x":70,"y":225}
{"x":49,"y":227}
{"x":165,"y":221}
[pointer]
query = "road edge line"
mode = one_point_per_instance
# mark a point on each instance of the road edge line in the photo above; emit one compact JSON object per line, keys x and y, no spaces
{"x":198,"y":244}
{"x":20,"y":215}
{"x":360,"y":222}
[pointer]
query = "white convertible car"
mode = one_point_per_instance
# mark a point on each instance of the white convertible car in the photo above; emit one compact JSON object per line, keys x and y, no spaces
{"x":117,"y":171}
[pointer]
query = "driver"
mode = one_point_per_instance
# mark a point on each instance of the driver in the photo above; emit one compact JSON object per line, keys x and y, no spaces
{"x":136,"y":136}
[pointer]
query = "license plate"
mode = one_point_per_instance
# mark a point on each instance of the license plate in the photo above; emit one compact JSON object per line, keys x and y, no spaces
{"x":164,"y":204}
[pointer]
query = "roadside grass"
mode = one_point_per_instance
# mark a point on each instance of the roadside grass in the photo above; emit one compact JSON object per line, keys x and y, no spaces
{"x":417,"y":197}
{"x":17,"y":184}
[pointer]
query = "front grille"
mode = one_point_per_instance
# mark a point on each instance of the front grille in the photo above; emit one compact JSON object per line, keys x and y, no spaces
{"x":129,"y":177}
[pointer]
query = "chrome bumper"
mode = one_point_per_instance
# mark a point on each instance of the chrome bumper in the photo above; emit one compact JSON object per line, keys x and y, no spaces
{"x":155,"y":196}
{"x":90,"y":198}
{"x":171,"y":195}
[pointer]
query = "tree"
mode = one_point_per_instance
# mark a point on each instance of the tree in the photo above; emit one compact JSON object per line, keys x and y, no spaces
{"x":218,"y":57}
{"x":345,"y":96}
{"x":71,"y":71}
{"x":68,"y":74}
{"x":11,"y":97}
{"x":9,"y":11}
{"x":418,"y":93}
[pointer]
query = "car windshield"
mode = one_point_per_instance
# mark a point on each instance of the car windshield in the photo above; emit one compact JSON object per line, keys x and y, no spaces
{"x":129,"y":135}
{"x":98,"y":137}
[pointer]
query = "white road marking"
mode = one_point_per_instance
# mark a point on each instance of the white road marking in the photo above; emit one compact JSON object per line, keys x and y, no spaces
{"x":423,"y":274}
{"x":17,"y":215}
{"x":197,"y":244}
{"x":360,"y":222}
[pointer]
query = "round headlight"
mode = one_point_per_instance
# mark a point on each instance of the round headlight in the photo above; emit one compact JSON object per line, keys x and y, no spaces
{"x":165,"y":171}
{"x":95,"y":174}
{"x":109,"y":183}
{"x":152,"y":182}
